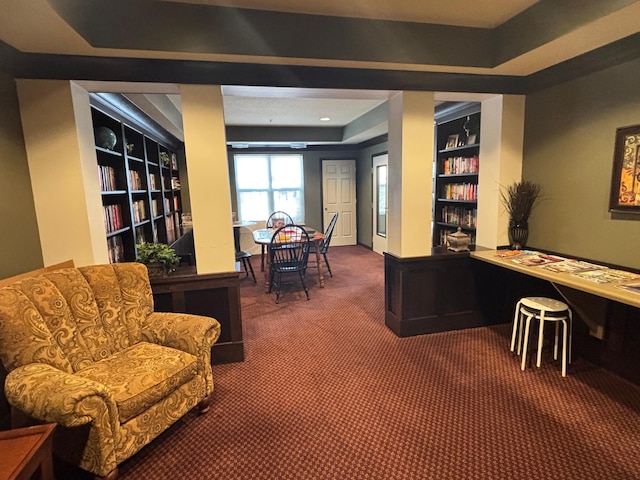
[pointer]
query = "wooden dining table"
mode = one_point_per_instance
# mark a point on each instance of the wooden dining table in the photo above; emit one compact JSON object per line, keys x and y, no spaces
{"x":263,"y":237}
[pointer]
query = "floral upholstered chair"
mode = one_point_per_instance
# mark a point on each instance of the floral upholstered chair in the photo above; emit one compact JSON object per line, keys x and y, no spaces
{"x":84,"y":349}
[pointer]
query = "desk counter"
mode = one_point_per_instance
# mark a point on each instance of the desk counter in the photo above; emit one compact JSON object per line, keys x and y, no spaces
{"x":609,"y":291}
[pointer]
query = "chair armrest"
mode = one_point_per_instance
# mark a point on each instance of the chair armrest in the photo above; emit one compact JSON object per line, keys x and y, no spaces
{"x":51,"y":395}
{"x":194,"y":334}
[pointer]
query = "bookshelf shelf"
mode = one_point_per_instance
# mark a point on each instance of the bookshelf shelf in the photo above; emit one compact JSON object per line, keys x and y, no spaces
{"x":139,"y":204}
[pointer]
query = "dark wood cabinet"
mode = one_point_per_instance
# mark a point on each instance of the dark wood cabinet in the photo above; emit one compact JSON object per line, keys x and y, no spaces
{"x":214,"y":295}
{"x":139,"y":183}
{"x":457,"y":167}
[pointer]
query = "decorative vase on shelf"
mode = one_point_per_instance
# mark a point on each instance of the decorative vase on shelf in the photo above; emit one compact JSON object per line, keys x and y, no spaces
{"x":105,"y":138}
{"x":518,"y":234}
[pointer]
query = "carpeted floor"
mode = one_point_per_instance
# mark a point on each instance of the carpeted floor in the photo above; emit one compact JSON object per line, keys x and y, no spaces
{"x":328,"y":392}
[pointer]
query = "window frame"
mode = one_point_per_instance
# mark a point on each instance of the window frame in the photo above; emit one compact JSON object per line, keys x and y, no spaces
{"x":270,"y":190}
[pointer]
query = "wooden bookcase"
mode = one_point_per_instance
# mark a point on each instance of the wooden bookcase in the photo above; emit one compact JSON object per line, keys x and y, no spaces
{"x":457,"y":167}
{"x":139,"y":183}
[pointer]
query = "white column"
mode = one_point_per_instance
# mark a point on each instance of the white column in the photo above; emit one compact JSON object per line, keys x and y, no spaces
{"x":58,"y":133}
{"x":410,"y":173}
{"x":208,"y":173}
{"x":501,"y":147}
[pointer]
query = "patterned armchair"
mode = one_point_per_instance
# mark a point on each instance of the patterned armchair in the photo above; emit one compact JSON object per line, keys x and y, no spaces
{"x":85,"y":350}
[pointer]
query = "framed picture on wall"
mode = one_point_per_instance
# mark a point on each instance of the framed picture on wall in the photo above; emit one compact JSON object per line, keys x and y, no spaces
{"x":625,"y":179}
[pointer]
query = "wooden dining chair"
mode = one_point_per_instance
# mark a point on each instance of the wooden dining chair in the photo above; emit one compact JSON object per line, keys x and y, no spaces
{"x":276,"y":220}
{"x":323,"y":246}
{"x":288,"y":253}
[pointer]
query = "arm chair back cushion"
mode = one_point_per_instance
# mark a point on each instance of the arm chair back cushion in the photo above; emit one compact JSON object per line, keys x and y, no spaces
{"x":76,"y":316}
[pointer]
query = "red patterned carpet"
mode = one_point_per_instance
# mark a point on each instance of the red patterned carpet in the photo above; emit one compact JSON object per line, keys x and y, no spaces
{"x":328,"y":392}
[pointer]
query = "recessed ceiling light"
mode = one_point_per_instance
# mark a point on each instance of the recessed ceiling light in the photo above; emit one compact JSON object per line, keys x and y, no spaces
{"x":324,"y":119}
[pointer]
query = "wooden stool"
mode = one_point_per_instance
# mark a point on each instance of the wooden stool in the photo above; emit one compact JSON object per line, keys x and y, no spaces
{"x":544,"y":310}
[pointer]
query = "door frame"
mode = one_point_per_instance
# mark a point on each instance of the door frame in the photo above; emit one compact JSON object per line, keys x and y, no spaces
{"x":378,"y":243}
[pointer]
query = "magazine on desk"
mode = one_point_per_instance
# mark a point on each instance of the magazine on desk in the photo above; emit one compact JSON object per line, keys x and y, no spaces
{"x":606,"y":275}
{"x":572,"y":266}
{"x":536,"y":258}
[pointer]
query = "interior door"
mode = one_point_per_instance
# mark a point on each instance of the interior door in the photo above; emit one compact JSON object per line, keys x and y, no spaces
{"x":380,"y":203}
{"x":339,"y":195}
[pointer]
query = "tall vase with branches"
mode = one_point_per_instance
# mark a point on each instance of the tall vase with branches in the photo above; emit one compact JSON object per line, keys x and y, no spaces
{"x":519,"y":198}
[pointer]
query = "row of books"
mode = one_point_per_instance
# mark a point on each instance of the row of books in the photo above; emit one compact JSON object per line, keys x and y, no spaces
{"x":115,"y":249}
{"x":460,"y":191}
{"x":113,"y":217}
{"x":107,"y":176}
{"x":459,"y":165}
{"x":465,"y":217}
{"x":141,"y":236}
{"x":139,"y":211}
{"x":153,"y":180}
{"x":136,"y":180}
{"x":171,"y":231}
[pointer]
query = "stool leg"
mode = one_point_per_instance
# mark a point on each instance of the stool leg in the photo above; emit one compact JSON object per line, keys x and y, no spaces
{"x":570,"y":335}
{"x":555,"y":343}
{"x":526,"y":342}
{"x":540,"y":339}
{"x":516,"y":321}
{"x":564,"y":348}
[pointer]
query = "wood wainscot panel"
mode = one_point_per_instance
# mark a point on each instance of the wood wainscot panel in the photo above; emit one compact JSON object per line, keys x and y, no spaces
{"x":214,"y":295}
{"x":430,"y":294}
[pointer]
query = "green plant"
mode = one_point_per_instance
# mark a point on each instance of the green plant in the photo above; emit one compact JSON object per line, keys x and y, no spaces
{"x":158,"y":253}
{"x":519,"y":198}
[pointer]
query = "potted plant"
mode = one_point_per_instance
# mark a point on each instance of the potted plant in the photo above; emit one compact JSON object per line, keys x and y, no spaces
{"x":159,"y":258}
{"x":519,"y":198}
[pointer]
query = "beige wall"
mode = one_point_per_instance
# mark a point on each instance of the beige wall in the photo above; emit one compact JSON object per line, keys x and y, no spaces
{"x":20,"y":243}
{"x":568,"y":149}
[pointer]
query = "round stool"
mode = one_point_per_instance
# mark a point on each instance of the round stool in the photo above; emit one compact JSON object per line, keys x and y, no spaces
{"x":544,"y":310}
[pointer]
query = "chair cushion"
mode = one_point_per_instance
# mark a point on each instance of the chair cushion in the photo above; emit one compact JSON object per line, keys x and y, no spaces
{"x":142,"y":375}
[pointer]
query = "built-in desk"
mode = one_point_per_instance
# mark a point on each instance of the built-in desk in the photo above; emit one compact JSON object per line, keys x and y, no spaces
{"x":605,"y":290}
{"x":607,"y":326}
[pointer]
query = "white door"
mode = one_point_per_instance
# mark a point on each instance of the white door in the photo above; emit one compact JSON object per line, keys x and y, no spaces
{"x":380,"y":204}
{"x":339,"y":195}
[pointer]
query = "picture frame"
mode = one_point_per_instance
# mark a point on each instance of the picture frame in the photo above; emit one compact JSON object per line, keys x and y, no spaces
{"x":452,"y":141}
{"x":471,"y":139}
{"x":625,"y":177}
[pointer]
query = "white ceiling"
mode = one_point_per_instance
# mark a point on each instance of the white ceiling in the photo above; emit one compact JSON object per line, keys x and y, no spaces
{"x":34,"y":26}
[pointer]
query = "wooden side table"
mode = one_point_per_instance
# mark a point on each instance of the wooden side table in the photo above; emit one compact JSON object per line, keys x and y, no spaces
{"x":25,"y":451}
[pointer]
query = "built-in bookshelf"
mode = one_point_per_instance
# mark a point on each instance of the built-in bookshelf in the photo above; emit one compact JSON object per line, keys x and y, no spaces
{"x":457,"y":167}
{"x":139,"y":183}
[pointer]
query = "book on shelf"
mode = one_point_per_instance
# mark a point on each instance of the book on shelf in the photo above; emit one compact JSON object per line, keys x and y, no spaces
{"x":460,"y":191}
{"x":113,"y":217}
{"x":460,"y":165}
{"x":153,"y":180}
{"x":107,"y":177}
{"x":465,"y":217}
{"x":139,"y":211}
{"x":135,"y":180}
{"x":154,"y":207}
{"x":141,"y":236}
{"x":115,"y":249}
